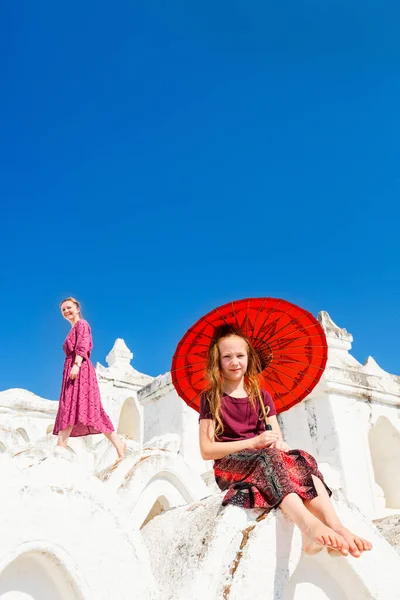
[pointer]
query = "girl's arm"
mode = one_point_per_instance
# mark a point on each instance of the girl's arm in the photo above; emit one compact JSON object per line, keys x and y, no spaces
{"x":279,"y":443}
{"x":212,"y":450}
{"x":273,"y":421}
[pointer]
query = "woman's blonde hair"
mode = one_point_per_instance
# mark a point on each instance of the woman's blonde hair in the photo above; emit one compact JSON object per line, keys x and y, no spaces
{"x":75,"y":301}
{"x":215,"y":388}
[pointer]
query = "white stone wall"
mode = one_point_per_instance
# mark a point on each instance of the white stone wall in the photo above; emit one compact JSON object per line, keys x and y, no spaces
{"x":79,"y":525}
{"x":339,"y":419}
{"x":26,"y":414}
{"x":64,"y":538}
{"x":165,"y":411}
{"x":200,"y":552}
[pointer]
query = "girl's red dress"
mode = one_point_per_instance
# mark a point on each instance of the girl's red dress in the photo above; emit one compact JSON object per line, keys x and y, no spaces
{"x":258,"y":478}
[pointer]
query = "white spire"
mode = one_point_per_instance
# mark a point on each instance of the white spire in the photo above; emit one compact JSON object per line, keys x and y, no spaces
{"x":337,"y":337}
{"x":120,"y":356}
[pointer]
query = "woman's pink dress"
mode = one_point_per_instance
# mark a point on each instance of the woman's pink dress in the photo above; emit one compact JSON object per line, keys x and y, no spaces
{"x":80,"y":402}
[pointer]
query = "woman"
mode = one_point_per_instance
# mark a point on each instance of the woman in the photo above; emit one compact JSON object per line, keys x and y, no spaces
{"x":80,"y":411}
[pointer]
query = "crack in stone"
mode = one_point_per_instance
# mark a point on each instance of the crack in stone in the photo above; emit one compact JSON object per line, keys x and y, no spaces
{"x":236,"y":561}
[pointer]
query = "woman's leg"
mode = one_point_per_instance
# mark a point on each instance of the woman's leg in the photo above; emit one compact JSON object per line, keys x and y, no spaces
{"x":117,"y":442}
{"x":63,"y":436}
{"x":316,"y":535}
{"x":322,"y":508}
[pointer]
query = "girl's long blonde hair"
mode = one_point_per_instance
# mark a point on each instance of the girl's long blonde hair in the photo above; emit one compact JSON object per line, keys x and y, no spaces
{"x":215,"y":388}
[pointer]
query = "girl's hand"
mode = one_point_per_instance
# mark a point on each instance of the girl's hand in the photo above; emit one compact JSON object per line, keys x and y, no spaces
{"x":264,"y":440}
{"x":74,"y":372}
{"x":281,"y":445}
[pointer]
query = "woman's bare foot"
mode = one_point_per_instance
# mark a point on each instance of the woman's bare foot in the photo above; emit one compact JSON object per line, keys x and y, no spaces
{"x":118,"y":443}
{"x":356,"y":544}
{"x":121,"y":449}
{"x":319,"y":536}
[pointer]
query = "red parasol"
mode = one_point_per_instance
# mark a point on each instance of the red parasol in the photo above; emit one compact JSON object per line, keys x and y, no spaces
{"x":290,"y":342}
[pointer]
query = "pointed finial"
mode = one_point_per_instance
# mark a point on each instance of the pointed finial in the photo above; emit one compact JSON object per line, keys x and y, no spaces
{"x":337,"y":337}
{"x":371,"y":367}
{"x":120,"y":355}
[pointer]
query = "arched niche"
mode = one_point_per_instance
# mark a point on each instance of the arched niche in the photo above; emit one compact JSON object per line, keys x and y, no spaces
{"x":324,"y":579}
{"x":159,"y":506}
{"x":37,"y":576}
{"x":165,"y":490}
{"x":129,"y":420}
{"x":23,"y":434}
{"x":384,"y":444}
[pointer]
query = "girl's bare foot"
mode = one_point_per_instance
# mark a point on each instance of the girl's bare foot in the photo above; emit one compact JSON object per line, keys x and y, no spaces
{"x":319,"y":536}
{"x":356,"y":544}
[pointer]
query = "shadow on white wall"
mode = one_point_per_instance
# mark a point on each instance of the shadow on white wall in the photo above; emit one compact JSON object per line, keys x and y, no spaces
{"x":129,"y":420}
{"x":23,"y":434}
{"x":384,"y":443}
{"x":36,"y":576}
{"x":159,"y":506}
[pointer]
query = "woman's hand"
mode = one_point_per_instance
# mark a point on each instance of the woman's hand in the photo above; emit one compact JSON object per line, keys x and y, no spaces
{"x":265,"y":440}
{"x":74,"y":372}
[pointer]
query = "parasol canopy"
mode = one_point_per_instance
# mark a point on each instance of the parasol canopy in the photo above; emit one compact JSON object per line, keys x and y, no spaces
{"x":290,"y":342}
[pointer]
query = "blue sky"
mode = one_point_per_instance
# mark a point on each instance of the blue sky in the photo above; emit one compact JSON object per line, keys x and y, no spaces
{"x":160,"y":159}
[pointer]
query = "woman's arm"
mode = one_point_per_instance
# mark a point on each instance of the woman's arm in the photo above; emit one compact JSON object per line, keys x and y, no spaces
{"x":76,"y":366}
{"x":82,"y":346}
{"x":212,"y":450}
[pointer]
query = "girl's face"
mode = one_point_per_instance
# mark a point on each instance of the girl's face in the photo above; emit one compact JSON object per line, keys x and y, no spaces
{"x":233,"y":358}
{"x":69,"y":310}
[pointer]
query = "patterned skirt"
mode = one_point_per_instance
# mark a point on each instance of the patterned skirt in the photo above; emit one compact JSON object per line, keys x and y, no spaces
{"x":262,"y":478}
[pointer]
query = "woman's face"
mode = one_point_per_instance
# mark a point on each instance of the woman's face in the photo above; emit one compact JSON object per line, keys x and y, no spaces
{"x":69,"y":310}
{"x":233,"y":357}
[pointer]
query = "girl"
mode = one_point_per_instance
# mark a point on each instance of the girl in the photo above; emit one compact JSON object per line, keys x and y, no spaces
{"x":251,"y":460}
{"x":80,"y":411}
